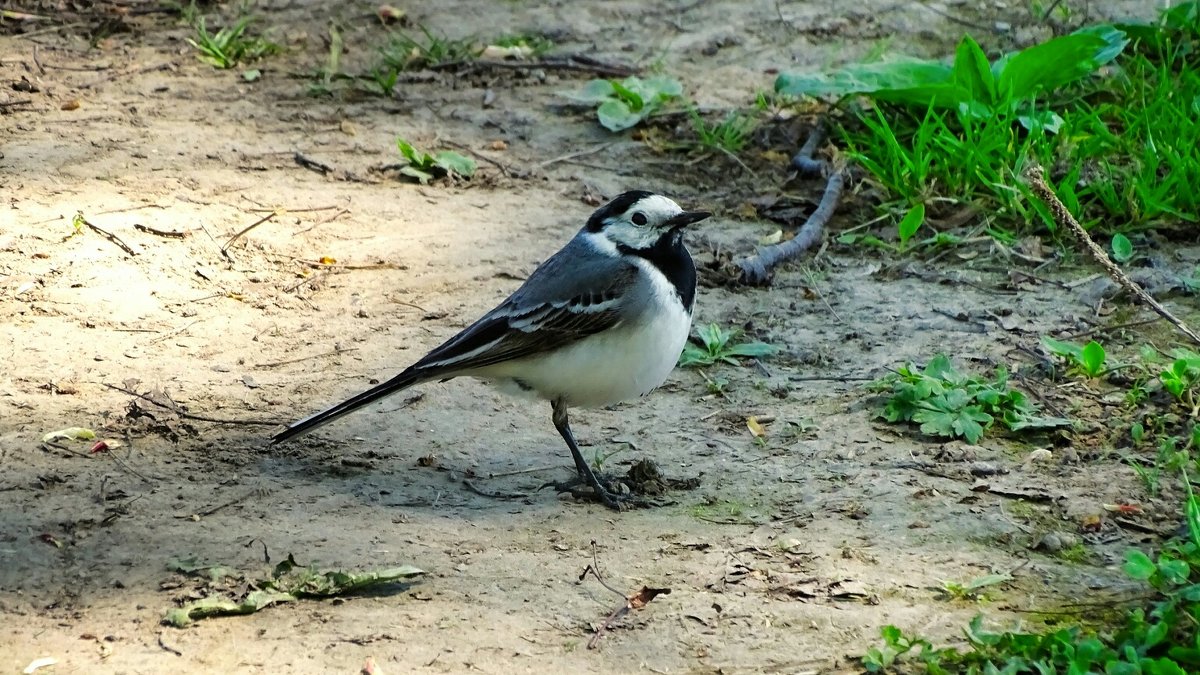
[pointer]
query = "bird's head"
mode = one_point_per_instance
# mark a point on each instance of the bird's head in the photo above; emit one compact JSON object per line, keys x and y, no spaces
{"x":640,"y":220}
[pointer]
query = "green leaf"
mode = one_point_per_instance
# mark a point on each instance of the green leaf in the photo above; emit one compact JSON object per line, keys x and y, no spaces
{"x":1049,"y":65}
{"x":662,"y":87}
{"x":615,"y":115}
{"x":408,"y":152}
{"x":1092,"y":358}
{"x":938,"y":367}
{"x":1122,"y":248}
{"x":595,"y":91}
{"x":973,"y":73}
{"x":455,"y":163}
{"x":629,"y":94}
{"x":1138,"y":565}
{"x":422,"y":176}
{"x":1067,"y":350}
{"x":911,"y":81}
{"x":911,"y":222}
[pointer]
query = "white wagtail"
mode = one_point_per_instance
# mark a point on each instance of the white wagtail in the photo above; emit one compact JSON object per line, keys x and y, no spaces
{"x":601,"y":321}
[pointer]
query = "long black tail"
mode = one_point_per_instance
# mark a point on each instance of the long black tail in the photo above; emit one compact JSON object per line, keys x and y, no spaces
{"x":400,"y":382}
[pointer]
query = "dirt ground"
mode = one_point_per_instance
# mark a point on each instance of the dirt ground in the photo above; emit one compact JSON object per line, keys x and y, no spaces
{"x":789,"y":556}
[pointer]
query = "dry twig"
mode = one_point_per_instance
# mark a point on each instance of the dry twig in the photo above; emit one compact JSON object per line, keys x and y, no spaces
{"x":106,"y":234}
{"x":757,"y":270}
{"x":1063,"y":217}
{"x":636,"y":601}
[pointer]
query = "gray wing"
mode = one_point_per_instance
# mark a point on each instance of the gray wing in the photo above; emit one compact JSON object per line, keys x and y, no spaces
{"x":574,"y":294}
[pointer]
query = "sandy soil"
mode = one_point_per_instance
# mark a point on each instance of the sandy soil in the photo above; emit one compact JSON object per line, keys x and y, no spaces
{"x":789,"y":556}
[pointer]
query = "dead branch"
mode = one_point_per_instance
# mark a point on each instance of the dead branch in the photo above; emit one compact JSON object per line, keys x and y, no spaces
{"x":571,"y":62}
{"x":187,"y":415}
{"x":629,"y":603}
{"x":1036,"y":178}
{"x":251,"y":226}
{"x":757,"y":270}
{"x":106,"y":234}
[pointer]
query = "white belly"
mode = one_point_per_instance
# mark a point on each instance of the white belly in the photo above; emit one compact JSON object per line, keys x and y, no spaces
{"x":621,"y":363}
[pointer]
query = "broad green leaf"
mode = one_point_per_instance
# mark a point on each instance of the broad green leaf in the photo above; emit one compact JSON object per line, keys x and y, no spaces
{"x":754,"y":349}
{"x":1138,"y":565}
{"x":911,"y":81}
{"x":973,"y":73}
{"x":1122,"y":248}
{"x":1092,"y":357}
{"x":615,"y":115}
{"x":937,"y":367}
{"x":1045,"y":67}
{"x":911,"y":222}
{"x":629,"y":92}
{"x":409,"y":152}
{"x":455,"y":163}
{"x":663,"y":87}
{"x":595,"y":91}
{"x":423,"y":176}
{"x":1065,"y":350}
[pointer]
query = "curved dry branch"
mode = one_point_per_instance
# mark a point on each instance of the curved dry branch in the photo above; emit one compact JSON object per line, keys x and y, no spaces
{"x":1035,"y":176}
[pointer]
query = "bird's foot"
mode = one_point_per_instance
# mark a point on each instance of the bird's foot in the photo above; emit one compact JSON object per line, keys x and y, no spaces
{"x":612,"y":492}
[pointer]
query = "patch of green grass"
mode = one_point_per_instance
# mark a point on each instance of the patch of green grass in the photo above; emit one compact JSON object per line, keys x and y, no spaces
{"x":1113,"y":110}
{"x":729,"y":135}
{"x":946,"y":402}
{"x":975,"y":589}
{"x":529,"y":46}
{"x":723,"y":511}
{"x":622,"y":104}
{"x":722,"y":346}
{"x":1160,"y":635}
{"x":425,"y":167}
{"x":427,"y":50}
{"x":231,"y":45}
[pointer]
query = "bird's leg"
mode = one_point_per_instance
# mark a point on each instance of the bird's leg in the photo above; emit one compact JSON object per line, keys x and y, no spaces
{"x":586,"y":475}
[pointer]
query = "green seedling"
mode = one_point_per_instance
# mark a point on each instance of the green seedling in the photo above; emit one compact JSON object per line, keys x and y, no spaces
{"x":623,"y":104}
{"x":722,"y":346}
{"x":525,"y":46}
{"x":973,"y":589}
{"x":949,"y":403}
{"x":909,"y":224}
{"x":730,"y":135}
{"x":288,"y":582}
{"x":1180,"y":379}
{"x":231,"y":45}
{"x":1090,"y":359}
{"x":428,"y":50}
{"x":1122,"y":248}
{"x":425,"y":167}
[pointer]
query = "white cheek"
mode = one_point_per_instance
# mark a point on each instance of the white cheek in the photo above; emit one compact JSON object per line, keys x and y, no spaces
{"x":634,"y":237}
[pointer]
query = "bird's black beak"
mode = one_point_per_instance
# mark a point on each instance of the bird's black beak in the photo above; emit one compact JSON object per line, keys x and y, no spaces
{"x":686,"y":218}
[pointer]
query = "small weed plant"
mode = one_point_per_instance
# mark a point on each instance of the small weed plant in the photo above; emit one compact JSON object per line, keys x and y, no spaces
{"x":231,"y":45}
{"x":424,"y":167}
{"x":729,"y":135}
{"x":949,"y":403}
{"x":1160,"y":638}
{"x":722,"y":346}
{"x":1113,"y":108}
{"x":623,"y":104}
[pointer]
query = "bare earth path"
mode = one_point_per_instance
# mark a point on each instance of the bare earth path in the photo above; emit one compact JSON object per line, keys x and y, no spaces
{"x":788,"y":557}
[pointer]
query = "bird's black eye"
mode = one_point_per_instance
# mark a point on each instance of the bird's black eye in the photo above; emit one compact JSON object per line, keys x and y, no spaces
{"x":638,"y":218}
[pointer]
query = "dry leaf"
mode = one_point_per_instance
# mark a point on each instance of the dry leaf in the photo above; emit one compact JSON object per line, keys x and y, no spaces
{"x":73,"y":104}
{"x":638,"y":600}
{"x":326,"y":260}
{"x":756,"y":427}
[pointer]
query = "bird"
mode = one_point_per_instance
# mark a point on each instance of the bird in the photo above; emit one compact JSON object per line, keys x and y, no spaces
{"x":601,"y":321}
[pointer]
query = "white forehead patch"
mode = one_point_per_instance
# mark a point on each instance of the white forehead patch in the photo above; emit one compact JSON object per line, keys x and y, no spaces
{"x":656,"y":207}
{"x":621,"y":229}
